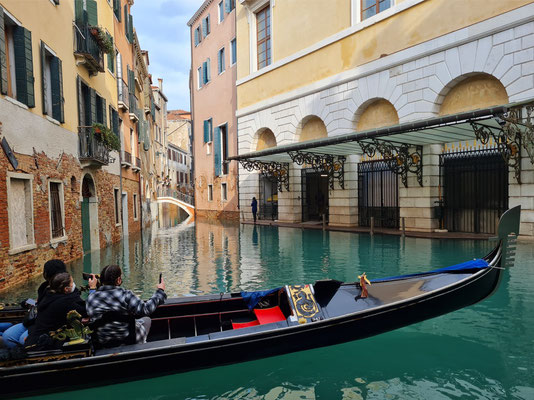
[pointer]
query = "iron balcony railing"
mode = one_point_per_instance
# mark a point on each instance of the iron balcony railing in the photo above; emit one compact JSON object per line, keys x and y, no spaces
{"x":88,"y":47}
{"x":138,"y":162}
{"x":91,"y":148}
{"x":126,"y":158}
{"x":134,"y":111}
{"x":122,"y":91}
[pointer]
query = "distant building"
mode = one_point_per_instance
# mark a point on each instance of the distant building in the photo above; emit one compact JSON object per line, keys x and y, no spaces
{"x":212,"y":84}
{"x":179,"y":139}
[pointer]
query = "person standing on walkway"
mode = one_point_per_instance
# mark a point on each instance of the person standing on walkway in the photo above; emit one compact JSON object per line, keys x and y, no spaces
{"x":254,"y":206}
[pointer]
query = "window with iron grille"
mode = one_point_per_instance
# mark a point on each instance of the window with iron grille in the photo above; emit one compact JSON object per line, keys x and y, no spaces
{"x":56,"y":210}
{"x":263,"y":31}
{"x":373,"y":7}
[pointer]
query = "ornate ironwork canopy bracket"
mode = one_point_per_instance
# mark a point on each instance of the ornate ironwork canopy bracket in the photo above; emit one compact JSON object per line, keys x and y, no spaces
{"x":507,"y":139}
{"x":274,"y":171}
{"x":332,"y":166}
{"x":399,"y":158}
{"x":528,"y":131}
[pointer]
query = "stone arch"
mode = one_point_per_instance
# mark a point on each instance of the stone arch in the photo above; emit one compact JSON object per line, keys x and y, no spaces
{"x":89,"y":213}
{"x":471,"y":92}
{"x":264,"y":139}
{"x":88,"y":186}
{"x":311,"y":127}
{"x":375,"y":113}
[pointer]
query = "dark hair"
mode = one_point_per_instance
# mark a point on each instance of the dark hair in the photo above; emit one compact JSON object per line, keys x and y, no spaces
{"x":59,"y":282}
{"x":53,"y":267}
{"x":110,"y":274}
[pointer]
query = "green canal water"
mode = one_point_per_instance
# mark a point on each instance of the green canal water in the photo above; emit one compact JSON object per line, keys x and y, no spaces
{"x":482,"y":352}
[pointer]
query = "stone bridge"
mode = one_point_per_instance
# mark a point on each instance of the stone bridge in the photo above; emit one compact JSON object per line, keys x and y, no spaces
{"x":188,"y":208}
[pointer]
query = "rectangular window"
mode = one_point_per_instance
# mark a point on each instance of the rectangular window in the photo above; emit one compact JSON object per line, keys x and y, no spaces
{"x":57,"y":216}
{"x":233,"y":48}
{"x":116,"y":199}
{"x":210,"y":192}
{"x":199,"y":77}
{"x":221,"y":12}
{"x":117,"y":9}
{"x":263,"y":31}
{"x":373,"y":7}
{"x":206,"y":29}
{"x":20,"y":211}
{"x":52,"y":84}
{"x":220,"y":59}
{"x":111,"y":63}
{"x":198,"y":36}
{"x":135,"y":206}
{"x":224,"y":192}
{"x":224,"y":148}
{"x":229,"y":5}
{"x":206,"y":73}
{"x":208,"y":130}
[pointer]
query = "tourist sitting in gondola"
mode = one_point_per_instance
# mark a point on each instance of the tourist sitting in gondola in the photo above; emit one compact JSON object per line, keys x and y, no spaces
{"x":60,"y":298}
{"x":17,"y":334}
{"x":117,"y":315}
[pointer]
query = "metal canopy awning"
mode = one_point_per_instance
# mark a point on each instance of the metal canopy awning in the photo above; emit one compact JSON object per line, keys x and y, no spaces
{"x":400,"y":144}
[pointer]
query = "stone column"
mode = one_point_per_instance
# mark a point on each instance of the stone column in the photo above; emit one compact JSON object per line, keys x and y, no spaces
{"x":248,"y":188}
{"x":523,"y":194}
{"x":290,"y":202}
{"x":343,"y":203}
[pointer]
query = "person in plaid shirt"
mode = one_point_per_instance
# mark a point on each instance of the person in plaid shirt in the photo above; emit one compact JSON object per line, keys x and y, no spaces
{"x":113,"y":309}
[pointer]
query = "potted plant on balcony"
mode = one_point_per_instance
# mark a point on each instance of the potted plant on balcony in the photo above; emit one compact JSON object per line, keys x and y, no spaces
{"x":106,"y":43}
{"x":107,"y":137}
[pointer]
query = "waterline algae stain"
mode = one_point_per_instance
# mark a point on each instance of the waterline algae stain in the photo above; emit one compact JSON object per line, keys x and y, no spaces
{"x":483,"y":351}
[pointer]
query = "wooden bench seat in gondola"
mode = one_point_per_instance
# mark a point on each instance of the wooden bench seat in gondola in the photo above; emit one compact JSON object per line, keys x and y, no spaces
{"x":250,"y":329}
{"x":140,"y":346}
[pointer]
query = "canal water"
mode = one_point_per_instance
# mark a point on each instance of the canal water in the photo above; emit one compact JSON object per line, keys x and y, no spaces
{"x":484,"y":351}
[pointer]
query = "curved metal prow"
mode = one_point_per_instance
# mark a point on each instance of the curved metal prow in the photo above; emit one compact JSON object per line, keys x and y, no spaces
{"x":507,"y":232}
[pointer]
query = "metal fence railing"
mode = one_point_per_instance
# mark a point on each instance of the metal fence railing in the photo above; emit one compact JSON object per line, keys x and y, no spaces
{"x":90,"y":147}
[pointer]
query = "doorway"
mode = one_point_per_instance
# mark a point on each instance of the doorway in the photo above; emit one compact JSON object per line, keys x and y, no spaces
{"x":268,"y":207}
{"x":314,"y":195}
{"x":124,"y":213}
{"x":89,"y":208}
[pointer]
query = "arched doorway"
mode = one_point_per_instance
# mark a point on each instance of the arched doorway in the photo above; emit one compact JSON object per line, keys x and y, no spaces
{"x":268,"y":198}
{"x":314,"y":185}
{"x":89,"y":206}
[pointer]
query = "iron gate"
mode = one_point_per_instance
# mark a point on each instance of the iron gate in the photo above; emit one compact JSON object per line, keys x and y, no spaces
{"x":314,"y":189}
{"x":378,"y":195}
{"x":475,"y":189}
{"x":268,"y":207}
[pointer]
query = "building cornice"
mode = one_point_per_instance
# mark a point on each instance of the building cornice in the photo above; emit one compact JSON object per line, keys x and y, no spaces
{"x":199,"y":12}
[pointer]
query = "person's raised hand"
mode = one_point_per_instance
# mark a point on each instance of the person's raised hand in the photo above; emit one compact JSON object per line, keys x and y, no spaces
{"x":161,"y":285}
{"x":93,"y":282}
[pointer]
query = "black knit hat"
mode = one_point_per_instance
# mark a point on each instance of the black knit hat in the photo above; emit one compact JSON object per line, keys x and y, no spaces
{"x":52,"y":268}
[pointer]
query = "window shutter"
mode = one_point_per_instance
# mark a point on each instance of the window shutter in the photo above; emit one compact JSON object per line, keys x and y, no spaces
{"x":43,"y":79}
{"x":196,"y":37}
{"x":117,"y":9}
{"x":227,"y":6}
{"x":92,"y":12}
{"x":206,"y":131}
{"x":3,"y":58}
{"x":126,"y":21}
{"x":81,"y":119}
{"x":217,"y":151}
{"x":79,"y":13}
{"x":92,"y":105}
{"x":226,"y":140}
{"x":205,"y":72}
{"x":208,"y":66}
{"x":204,"y":28}
{"x":104,"y":112}
{"x":56,"y":74}
{"x":116,"y":123}
{"x":234,"y":52}
{"x":208,"y":30}
{"x":130,"y":27}
{"x":22,"y":40}
{"x":119,"y":68}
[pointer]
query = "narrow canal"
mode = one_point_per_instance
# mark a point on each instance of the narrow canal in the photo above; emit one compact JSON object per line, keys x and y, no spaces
{"x":482,"y":352}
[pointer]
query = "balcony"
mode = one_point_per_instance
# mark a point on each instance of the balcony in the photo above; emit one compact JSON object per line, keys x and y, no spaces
{"x":123,"y":95}
{"x":91,"y":150}
{"x":126,"y":159}
{"x":137,"y":164}
{"x":88,"y":51}
{"x":134,"y":112}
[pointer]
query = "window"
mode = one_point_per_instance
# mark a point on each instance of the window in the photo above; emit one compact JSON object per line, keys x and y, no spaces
{"x":224,"y":192}
{"x":373,"y":7}
{"x":111,"y":63}
{"x":135,"y":206}
{"x":16,"y":63}
{"x":20,"y":211}
{"x":233,"y":48}
{"x":220,"y":150}
{"x":198,"y":36}
{"x":57,"y":216}
{"x":206,"y":67}
{"x":229,"y":5}
{"x":208,"y":131}
{"x":52,"y":84}
{"x":220,"y":61}
{"x":117,"y":9}
{"x":132,"y":142}
{"x":206,"y":26}
{"x":116,"y":200}
{"x":221,"y":12}
{"x":263,"y":30}
{"x":210,"y":192}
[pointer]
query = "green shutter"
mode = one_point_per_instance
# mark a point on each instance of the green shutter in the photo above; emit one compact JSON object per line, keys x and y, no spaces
{"x":104,"y":112}
{"x":92,"y":105}
{"x":204,"y":28}
{"x":3,"y":58}
{"x":196,"y":37}
{"x":81,"y":117}
{"x":115,"y":116}
{"x":43,"y":80}
{"x":130,"y":27}
{"x":208,"y":66}
{"x":204,"y":72}
{"x":22,"y":43}
{"x":117,"y":9}
{"x":206,"y":131}
{"x":56,"y":74}
{"x":92,"y":12}
{"x":217,"y":151}
{"x":126,"y":21}
{"x":79,"y":13}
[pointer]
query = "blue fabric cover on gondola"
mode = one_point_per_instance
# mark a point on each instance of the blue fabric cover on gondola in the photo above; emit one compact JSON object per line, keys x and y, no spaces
{"x":253,"y":298}
{"x":468,"y":265}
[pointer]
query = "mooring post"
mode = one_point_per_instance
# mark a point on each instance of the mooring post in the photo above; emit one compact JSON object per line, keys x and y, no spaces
{"x":372,"y":232}
{"x":403,"y":227}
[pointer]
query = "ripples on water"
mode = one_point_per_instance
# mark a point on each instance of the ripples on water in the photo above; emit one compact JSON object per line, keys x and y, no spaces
{"x":482,"y":352}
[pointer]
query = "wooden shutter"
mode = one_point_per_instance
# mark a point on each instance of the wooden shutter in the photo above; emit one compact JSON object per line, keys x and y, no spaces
{"x":92,"y":12}
{"x":92,"y":105}
{"x":79,"y":13}
{"x":81,"y":117}
{"x":126,"y":21}
{"x":208,"y":67}
{"x":206,"y":131}
{"x":22,"y":43}
{"x":56,"y":74}
{"x":117,"y":9}
{"x":43,"y":77}
{"x":227,"y":6}
{"x":204,"y":28}
{"x":130,"y":27}
{"x":196,"y":37}
{"x":104,"y":112}
{"x":217,"y":151}
{"x":55,"y":210}
{"x":208,"y":20}
{"x":115,"y":122}
{"x":3,"y":57}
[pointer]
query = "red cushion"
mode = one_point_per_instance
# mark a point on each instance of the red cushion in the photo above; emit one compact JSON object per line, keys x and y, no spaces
{"x":239,"y":325}
{"x":269,"y":315}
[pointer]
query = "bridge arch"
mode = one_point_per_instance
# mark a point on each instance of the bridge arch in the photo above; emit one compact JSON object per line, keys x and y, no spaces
{"x":188,"y":208}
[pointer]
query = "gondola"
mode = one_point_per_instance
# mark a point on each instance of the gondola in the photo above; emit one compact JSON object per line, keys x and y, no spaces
{"x":204,"y":331}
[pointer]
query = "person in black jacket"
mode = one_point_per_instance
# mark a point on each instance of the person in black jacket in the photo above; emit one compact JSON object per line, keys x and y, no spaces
{"x":60,"y":298}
